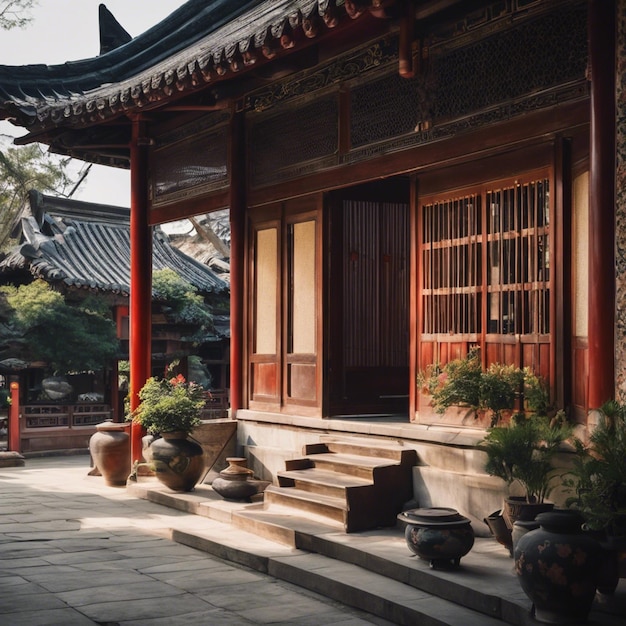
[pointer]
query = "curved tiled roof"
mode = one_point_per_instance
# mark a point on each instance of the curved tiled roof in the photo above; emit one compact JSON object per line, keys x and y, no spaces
{"x":202,"y":42}
{"x":87,"y":246}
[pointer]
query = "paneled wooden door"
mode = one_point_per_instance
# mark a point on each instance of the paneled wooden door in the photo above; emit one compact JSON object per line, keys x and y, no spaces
{"x":367,"y":304}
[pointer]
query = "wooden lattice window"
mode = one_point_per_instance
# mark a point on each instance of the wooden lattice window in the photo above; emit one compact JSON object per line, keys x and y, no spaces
{"x":452,"y":265}
{"x":485,"y":261}
{"x":518,"y":259}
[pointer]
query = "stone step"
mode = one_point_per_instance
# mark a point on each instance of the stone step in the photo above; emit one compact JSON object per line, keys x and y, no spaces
{"x":350,"y":464}
{"x":335,"y":508}
{"x":344,"y":582}
{"x":380,"y":448}
{"x":322,"y":481}
{"x":388,"y":581}
{"x":371,"y":592}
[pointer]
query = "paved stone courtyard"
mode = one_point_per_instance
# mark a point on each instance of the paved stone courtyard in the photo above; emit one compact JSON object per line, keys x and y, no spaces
{"x":75,"y":552}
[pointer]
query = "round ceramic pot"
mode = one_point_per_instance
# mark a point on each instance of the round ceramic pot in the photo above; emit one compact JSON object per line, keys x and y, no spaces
{"x":439,"y":535}
{"x":518,"y":508}
{"x":520,"y":528}
{"x":232,"y":482}
{"x":178,"y":462}
{"x":558,"y":566}
{"x":109,"y":447}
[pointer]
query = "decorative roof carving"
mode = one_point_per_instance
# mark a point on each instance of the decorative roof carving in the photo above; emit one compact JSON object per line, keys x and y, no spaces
{"x":202,"y":42}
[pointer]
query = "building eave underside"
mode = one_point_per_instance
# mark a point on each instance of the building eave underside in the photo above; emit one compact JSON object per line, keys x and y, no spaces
{"x":83,"y":108}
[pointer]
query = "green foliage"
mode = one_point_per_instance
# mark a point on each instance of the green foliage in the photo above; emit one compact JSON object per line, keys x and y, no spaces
{"x":499,"y":389}
{"x":458,"y":384}
{"x":598,"y":477}
{"x":169,"y":405}
{"x":523,"y":451}
{"x":183,"y":302}
{"x":69,"y":338}
{"x":5,"y":398}
{"x":14,"y":13}
{"x":463,"y":382}
{"x":23,"y":169}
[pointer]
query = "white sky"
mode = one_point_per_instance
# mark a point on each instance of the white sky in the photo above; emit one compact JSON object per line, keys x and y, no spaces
{"x":68,"y":30}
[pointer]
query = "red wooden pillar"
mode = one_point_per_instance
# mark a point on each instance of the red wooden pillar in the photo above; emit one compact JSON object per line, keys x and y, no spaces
{"x":602,"y":203}
{"x":237,"y":236}
{"x":140,"y":276}
{"x":14,"y":419}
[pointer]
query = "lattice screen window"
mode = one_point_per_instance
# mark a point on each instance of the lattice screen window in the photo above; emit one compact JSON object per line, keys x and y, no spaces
{"x":452,"y":265}
{"x":518,"y":260}
{"x":491,"y":247}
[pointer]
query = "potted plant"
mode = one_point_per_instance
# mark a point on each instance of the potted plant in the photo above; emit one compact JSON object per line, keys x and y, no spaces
{"x":170,"y":408}
{"x":522,"y":453}
{"x":496,"y":390}
{"x":598,"y":482}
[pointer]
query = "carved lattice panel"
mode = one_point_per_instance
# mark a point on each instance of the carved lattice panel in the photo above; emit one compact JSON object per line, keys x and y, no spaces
{"x":190,"y":167}
{"x":538,"y":54}
{"x":293,"y":141}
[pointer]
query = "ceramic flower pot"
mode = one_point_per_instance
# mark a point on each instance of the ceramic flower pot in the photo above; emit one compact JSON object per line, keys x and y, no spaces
{"x":558,"y":566}
{"x":439,"y":535}
{"x":518,"y":508}
{"x":109,"y":447}
{"x":178,"y":462}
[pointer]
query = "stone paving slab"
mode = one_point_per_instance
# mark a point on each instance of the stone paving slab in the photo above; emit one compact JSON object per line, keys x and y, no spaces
{"x":76,"y":552}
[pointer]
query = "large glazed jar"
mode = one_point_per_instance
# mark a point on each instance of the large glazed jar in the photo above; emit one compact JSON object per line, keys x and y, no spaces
{"x":178,"y":462}
{"x":439,"y":535}
{"x":558,"y":566}
{"x":109,"y":447}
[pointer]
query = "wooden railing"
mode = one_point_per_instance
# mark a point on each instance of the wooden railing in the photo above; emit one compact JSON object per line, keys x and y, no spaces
{"x":63,"y":415}
{"x":216,"y":404}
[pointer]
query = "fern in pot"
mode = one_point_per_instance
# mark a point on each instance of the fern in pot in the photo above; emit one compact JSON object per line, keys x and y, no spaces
{"x":522,"y":453}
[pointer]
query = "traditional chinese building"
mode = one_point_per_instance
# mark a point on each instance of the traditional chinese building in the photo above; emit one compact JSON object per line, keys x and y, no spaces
{"x":406,"y":180}
{"x":82,"y":249}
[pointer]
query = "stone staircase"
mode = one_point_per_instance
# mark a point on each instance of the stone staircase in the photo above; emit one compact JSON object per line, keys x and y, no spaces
{"x":359,"y":484}
{"x":372,"y":570}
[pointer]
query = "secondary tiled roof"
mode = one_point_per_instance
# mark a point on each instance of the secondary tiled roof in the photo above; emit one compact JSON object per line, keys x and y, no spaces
{"x":87,"y":246}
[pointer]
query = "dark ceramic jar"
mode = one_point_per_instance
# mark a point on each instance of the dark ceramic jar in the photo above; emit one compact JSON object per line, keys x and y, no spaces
{"x":558,"y":566}
{"x":232,"y":482}
{"x":439,"y":535}
{"x":178,"y":462}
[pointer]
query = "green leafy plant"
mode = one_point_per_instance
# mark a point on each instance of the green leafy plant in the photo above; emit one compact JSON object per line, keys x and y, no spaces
{"x":169,"y":405}
{"x":523,"y":451}
{"x":498,"y":389}
{"x":183,"y":301}
{"x":5,"y":398}
{"x":457,"y":383}
{"x":598,"y":478}
{"x":69,"y":337}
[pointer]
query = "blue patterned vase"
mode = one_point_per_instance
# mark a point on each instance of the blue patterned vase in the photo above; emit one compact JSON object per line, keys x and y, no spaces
{"x":558,"y":566}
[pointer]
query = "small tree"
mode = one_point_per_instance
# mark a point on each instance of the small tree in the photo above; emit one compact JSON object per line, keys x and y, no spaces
{"x":68,"y":337}
{"x":15,"y":13}
{"x":182,"y":302}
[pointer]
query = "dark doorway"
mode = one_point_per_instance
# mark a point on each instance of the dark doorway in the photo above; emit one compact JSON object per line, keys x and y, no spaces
{"x":367,"y":370}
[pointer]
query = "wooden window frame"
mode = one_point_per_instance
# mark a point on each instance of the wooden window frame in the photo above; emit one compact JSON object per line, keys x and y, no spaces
{"x":522,"y":343}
